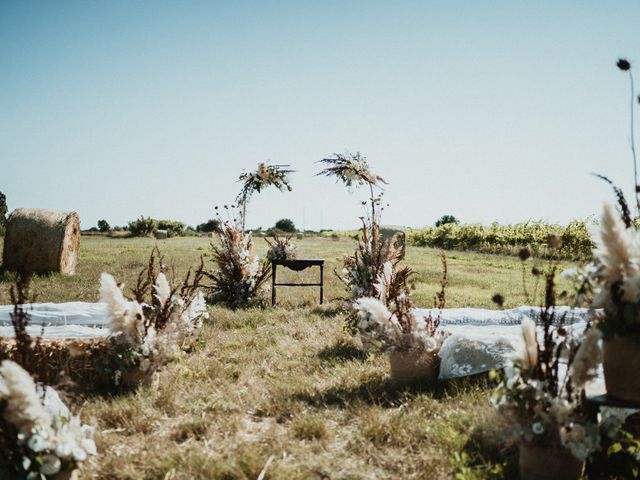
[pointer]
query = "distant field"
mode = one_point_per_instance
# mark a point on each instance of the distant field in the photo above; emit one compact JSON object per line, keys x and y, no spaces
{"x":288,"y":383}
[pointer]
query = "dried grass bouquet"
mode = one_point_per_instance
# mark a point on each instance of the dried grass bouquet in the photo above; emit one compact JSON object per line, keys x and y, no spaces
{"x":148,"y":330}
{"x":363,"y":269}
{"x":389,"y":322}
{"x":240,"y":277}
{"x":616,"y":277}
{"x":541,"y":392}
{"x":264,"y":176}
{"x":281,"y":248}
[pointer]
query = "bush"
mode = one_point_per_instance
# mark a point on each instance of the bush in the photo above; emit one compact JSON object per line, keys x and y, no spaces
{"x":103,"y":226}
{"x":496,"y":238}
{"x":445,"y":219}
{"x":209,"y":226}
{"x":143,"y":227}
{"x":285,"y":225}
{"x":3,"y":210}
{"x":173,"y":227}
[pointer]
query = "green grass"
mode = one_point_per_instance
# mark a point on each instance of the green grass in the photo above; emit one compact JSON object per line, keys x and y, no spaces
{"x":287,"y":383}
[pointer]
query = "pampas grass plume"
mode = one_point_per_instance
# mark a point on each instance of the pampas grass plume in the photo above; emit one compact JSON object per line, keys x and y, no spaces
{"x":530,"y":358}
{"x":23,"y":408}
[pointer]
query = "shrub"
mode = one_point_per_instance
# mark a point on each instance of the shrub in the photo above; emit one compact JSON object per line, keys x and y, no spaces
{"x":496,"y":238}
{"x":285,"y":225}
{"x":103,"y":226}
{"x":173,"y":227}
{"x":209,"y":226}
{"x":443,"y":220}
{"x":3,"y":212}
{"x":143,"y":227}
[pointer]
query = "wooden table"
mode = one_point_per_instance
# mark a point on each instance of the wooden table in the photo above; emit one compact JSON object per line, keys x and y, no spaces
{"x":296,"y":265}
{"x":594,"y":403}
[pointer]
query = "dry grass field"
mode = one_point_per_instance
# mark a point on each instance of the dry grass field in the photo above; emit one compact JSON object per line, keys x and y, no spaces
{"x":285,"y":389}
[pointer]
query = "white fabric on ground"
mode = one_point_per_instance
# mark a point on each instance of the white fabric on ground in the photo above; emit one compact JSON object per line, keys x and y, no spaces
{"x":60,"y":320}
{"x":482,"y":340}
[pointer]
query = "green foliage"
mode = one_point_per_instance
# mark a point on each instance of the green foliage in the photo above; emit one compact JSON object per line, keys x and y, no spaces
{"x":146,"y":226}
{"x":466,"y":469}
{"x":3,"y":212}
{"x":103,"y":226}
{"x":173,"y":227}
{"x":143,"y":227}
{"x":445,"y":219}
{"x":209,"y":226}
{"x":496,"y":238}
{"x":285,"y":225}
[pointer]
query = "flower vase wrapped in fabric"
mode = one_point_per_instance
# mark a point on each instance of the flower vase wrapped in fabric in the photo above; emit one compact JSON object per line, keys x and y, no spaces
{"x":389,"y":323}
{"x":540,"y":396}
{"x":617,"y":291}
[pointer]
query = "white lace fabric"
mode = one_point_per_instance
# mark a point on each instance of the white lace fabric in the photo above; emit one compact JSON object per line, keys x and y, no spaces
{"x":482,"y":340}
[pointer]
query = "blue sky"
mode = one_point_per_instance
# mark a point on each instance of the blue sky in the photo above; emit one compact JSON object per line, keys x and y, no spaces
{"x":484,"y":110}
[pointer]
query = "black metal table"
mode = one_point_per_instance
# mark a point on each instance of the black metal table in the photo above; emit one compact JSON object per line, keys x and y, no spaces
{"x":594,"y":403}
{"x":296,"y":265}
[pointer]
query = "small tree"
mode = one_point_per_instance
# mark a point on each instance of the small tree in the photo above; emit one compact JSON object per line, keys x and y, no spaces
{"x":143,"y":227}
{"x":209,"y":226}
{"x":3,"y":209}
{"x":285,"y":225}
{"x":103,"y":226}
{"x":445,"y":219}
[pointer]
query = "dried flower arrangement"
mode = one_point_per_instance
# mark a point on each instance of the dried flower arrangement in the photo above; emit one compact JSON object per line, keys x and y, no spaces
{"x":240,"y":277}
{"x":148,"y":330}
{"x":362,"y":270}
{"x":350,"y":169}
{"x":39,"y":437}
{"x":281,"y":248}
{"x":617,"y":275}
{"x":541,"y":392}
{"x":266,"y":175}
{"x":389,"y":322}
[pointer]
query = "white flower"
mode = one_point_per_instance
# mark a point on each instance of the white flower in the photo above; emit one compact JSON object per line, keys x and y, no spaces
{"x":89,"y":446}
{"x":51,"y":465}
{"x":37,"y":444}
{"x":64,"y":449}
{"x":162,"y":289}
{"x":587,"y":358}
{"x":79,"y":454}
{"x":617,"y":248}
{"x":372,"y":311}
{"x":23,"y":410}
{"x":197,"y":311}
{"x":124,"y":317}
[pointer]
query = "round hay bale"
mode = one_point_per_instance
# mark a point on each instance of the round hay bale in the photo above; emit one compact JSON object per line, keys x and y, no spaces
{"x":41,"y":241}
{"x":161,"y":234}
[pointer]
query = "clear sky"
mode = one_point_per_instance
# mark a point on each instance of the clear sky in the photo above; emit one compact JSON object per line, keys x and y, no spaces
{"x":487,"y":110}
